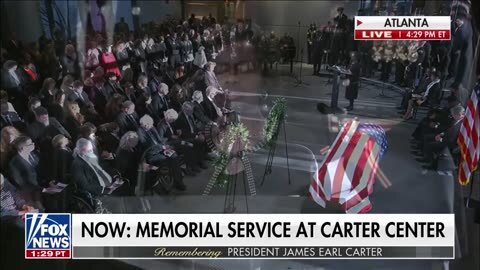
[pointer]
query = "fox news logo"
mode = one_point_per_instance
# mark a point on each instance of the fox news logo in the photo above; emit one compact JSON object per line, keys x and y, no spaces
{"x":47,"y":236}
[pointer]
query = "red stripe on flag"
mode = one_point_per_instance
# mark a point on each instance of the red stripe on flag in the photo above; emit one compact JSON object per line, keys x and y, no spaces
{"x":365,"y":209}
{"x":468,"y":139}
{"x":342,"y":164}
{"x":362,"y":194}
{"x":362,"y":161}
{"x":322,"y":171}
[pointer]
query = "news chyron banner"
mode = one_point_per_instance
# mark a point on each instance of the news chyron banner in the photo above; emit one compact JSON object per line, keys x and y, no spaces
{"x":402,"y":27}
{"x":236,"y":236}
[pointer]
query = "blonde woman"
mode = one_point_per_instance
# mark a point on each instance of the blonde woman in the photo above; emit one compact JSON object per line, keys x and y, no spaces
{"x":8,"y":135}
{"x":128,"y":157}
{"x":74,"y":119}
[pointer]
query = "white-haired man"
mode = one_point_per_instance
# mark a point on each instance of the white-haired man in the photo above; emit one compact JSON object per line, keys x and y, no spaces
{"x":190,"y":131}
{"x":167,"y":130}
{"x":210,"y":107}
{"x":157,"y":152}
{"x":198,"y":110}
{"x":87,"y":172}
{"x":160,"y":102}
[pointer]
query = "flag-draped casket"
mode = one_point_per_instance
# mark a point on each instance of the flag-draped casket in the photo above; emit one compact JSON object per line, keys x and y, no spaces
{"x":347,"y":173}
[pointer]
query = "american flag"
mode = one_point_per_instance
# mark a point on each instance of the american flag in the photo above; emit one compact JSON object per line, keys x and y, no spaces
{"x":347,"y":173}
{"x":469,"y":138}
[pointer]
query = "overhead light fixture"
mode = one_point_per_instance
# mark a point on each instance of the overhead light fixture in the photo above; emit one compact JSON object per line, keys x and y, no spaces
{"x":136,"y":11}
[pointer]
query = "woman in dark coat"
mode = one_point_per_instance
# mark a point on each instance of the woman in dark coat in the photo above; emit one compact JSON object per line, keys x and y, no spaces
{"x":56,"y":107}
{"x":128,"y":157}
{"x":351,"y":92}
{"x":62,"y":159}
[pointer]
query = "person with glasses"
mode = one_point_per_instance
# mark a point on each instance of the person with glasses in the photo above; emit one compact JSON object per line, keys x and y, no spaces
{"x":23,"y":170}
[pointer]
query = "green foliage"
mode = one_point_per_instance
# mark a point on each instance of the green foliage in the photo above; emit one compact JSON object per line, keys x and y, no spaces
{"x":234,"y":133}
{"x":277,"y":114}
{"x":239,"y":133}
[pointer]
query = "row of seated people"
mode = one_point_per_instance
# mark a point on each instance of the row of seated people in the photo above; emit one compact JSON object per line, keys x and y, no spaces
{"x":438,"y":133}
{"x":27,"y":158}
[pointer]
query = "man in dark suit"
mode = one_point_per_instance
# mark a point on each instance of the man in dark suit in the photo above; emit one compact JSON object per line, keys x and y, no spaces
{"x":23,"y":169}
{"x":86,"y":171}
{"x":112,"y":86}
{"x":44,"y":127}
{"x":79,"y":96}
{"x":157,"y":152}
{"x":167,"y":129}
{"x":436,"y":143}
{"x":189,"y":132}
{"x":42,"y":132}
{"x":143,"y":104}
{"x":198,"y":112}
{"x":351,"y":92}
{"x":148,"y":134}
{"x":434,"y":90}
{"x":160,"y":102}
{"x":102,"y":95}
{"x":212,"y":111}
{"x":143,"y":86}
{"x":127,"y":119}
